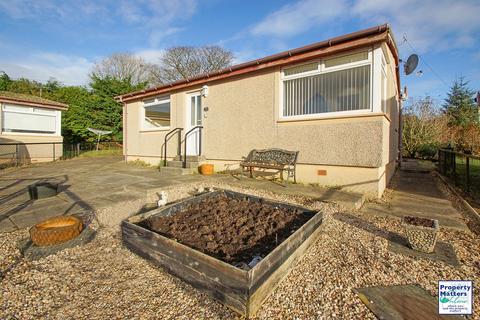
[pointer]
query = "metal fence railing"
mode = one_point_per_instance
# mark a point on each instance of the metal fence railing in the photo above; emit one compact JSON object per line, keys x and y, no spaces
{"x":17,"y":154}
{"x":461,"y":169}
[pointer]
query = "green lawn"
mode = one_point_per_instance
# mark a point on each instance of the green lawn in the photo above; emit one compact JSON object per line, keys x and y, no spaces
{"x":101,"y":153}
{"x":474,"y":174}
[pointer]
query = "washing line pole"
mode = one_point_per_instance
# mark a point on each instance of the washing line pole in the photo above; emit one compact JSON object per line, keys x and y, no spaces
{"x":99,"y":133}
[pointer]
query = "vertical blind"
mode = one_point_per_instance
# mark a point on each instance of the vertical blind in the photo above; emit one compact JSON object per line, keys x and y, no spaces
{"x":343,"y":90}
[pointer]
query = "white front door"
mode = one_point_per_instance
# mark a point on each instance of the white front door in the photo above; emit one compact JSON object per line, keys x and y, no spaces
{"x":193,"y":118}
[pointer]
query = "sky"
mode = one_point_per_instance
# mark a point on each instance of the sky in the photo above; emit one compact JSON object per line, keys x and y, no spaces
{"x":40,"y":39}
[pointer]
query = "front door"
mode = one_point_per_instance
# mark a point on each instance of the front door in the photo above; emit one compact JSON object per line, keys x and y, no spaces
{"x":193,"y":118}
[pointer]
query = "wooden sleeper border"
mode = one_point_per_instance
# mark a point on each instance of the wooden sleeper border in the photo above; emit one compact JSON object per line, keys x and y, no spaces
{"x":240,"y":290}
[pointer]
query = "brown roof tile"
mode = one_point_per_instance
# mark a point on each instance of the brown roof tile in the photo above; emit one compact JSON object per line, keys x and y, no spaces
{"x":26,"y":99}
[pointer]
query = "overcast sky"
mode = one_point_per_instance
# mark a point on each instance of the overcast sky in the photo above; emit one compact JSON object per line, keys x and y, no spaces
{"x":40,"y":39}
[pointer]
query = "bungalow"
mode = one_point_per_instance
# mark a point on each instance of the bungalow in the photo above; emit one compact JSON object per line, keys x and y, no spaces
{"x":30,"y":128}
{"x":336,"y":102}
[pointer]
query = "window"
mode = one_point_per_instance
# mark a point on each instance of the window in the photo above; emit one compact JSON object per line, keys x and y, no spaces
{"x":384,"y":87}
{"x":384,"y":91}
{"x":23,"y":119}
{"x":345,"y":88}
{"x":332,"y":62}
{"x":156,"y":113}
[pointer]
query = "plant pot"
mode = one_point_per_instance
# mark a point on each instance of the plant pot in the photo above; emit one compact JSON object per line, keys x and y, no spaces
{"x":421,"y":233}
{"x":55,"y":230}
{"x":206,"y":169}
{"x":42,"y":190}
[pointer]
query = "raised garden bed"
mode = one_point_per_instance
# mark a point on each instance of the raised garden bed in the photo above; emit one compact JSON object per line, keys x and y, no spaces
{"x":233,"y":246}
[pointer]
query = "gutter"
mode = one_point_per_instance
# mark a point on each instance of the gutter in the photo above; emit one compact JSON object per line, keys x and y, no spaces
{"x":286,"y":54}
{"x":59,"y":106}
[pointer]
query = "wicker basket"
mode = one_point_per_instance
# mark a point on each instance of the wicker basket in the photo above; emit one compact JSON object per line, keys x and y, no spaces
{"x":56,"y":230}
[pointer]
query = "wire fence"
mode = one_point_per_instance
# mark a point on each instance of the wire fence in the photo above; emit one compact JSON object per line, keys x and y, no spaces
{"x":461,"y":169}
{"x":14,"y":154}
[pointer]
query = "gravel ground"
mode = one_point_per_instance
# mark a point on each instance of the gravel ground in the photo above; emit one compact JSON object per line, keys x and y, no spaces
{"x":104,"y":280}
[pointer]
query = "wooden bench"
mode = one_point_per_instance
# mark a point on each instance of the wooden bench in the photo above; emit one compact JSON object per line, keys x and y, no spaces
{"x":274,"y":159}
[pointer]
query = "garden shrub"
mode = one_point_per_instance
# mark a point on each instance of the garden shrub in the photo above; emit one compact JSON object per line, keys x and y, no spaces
{"x":427,"y":151}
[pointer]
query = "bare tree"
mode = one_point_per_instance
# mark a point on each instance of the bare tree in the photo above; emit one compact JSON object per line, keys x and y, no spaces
{"x":423,"y":126}
{"x":122,"y":66}
{"x":179,"y":63}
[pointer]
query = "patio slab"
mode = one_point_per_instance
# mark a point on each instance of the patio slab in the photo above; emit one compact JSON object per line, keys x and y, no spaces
{"x":416,"y":193}
{"x":90,"y":184}
{"x":444,"y":252}
{"x":348,"y":200}
{"x":407,"y":302}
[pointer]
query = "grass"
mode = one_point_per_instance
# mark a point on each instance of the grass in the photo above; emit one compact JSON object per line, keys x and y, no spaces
{"x":139,"y":163}
{"x":101,"y":153}
{"x":474,"y":175}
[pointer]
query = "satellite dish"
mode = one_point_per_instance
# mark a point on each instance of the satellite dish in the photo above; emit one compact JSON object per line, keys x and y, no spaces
{"x":411,"y":64}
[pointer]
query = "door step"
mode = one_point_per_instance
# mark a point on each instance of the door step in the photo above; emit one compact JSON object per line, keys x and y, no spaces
{"x":179,"y":164}
{"x":191,"y":158}
{"x":173,"y":171}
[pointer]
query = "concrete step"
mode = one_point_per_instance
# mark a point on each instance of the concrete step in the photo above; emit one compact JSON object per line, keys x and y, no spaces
{"x":191,"y":158}
{"x":179,"y":164}
{"x":172,"y":171}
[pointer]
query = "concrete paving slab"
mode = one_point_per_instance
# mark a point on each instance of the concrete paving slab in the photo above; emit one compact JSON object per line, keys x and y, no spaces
{"x":406,"y":302}
{"x":90,"y":184}
{"x":7,"y":226}
{"x":416,"y":193}
{"x":347,"y":200}
{"x":443,"y":252}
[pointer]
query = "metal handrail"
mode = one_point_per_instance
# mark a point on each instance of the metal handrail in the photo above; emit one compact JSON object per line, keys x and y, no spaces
{"x":179,"y":151}
{"x":185,"y":144}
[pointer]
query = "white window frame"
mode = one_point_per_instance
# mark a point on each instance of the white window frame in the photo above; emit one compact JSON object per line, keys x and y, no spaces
{"x":156,"y":100}
{"x":32,"y":110}
{"x":323,"y":70}
{"x":384,"y":86}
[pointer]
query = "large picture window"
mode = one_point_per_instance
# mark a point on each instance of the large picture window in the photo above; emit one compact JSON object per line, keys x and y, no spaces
{"x":23,"y":119}
{"x":156,"y":113}
{"x":336,"y":85}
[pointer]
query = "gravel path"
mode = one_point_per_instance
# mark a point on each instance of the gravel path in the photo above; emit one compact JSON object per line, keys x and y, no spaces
{"x":104,"y":280}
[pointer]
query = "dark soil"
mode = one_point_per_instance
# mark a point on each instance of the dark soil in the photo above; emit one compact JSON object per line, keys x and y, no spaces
{"x":417,"y":221}
{"x":230,"y":229}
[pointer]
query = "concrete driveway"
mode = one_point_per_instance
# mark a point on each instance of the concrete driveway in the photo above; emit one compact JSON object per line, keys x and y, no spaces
{"x":91,"y":184}
{"x":87,"y":184}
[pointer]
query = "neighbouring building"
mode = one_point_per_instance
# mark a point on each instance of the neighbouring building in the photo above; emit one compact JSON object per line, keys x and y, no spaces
{"x":336,"y":102}
{"x":30,"y":128}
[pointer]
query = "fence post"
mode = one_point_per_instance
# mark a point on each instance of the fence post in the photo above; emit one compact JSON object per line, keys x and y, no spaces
{"x":454,"y":168}
{"x":467,"y":173}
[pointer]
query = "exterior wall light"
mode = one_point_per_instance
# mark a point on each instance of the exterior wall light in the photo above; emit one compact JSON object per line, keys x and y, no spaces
{"x":205,"y":91}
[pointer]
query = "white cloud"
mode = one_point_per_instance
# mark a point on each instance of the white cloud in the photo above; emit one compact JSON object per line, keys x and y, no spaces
{"x":71,"y":70}
{"x":65,"y":10}
{"x":155,"y":19}
{"x":428,"y":24}
{"x":293,"y":19}
{"x":150,"y":55}
{"x":159,"y":17}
